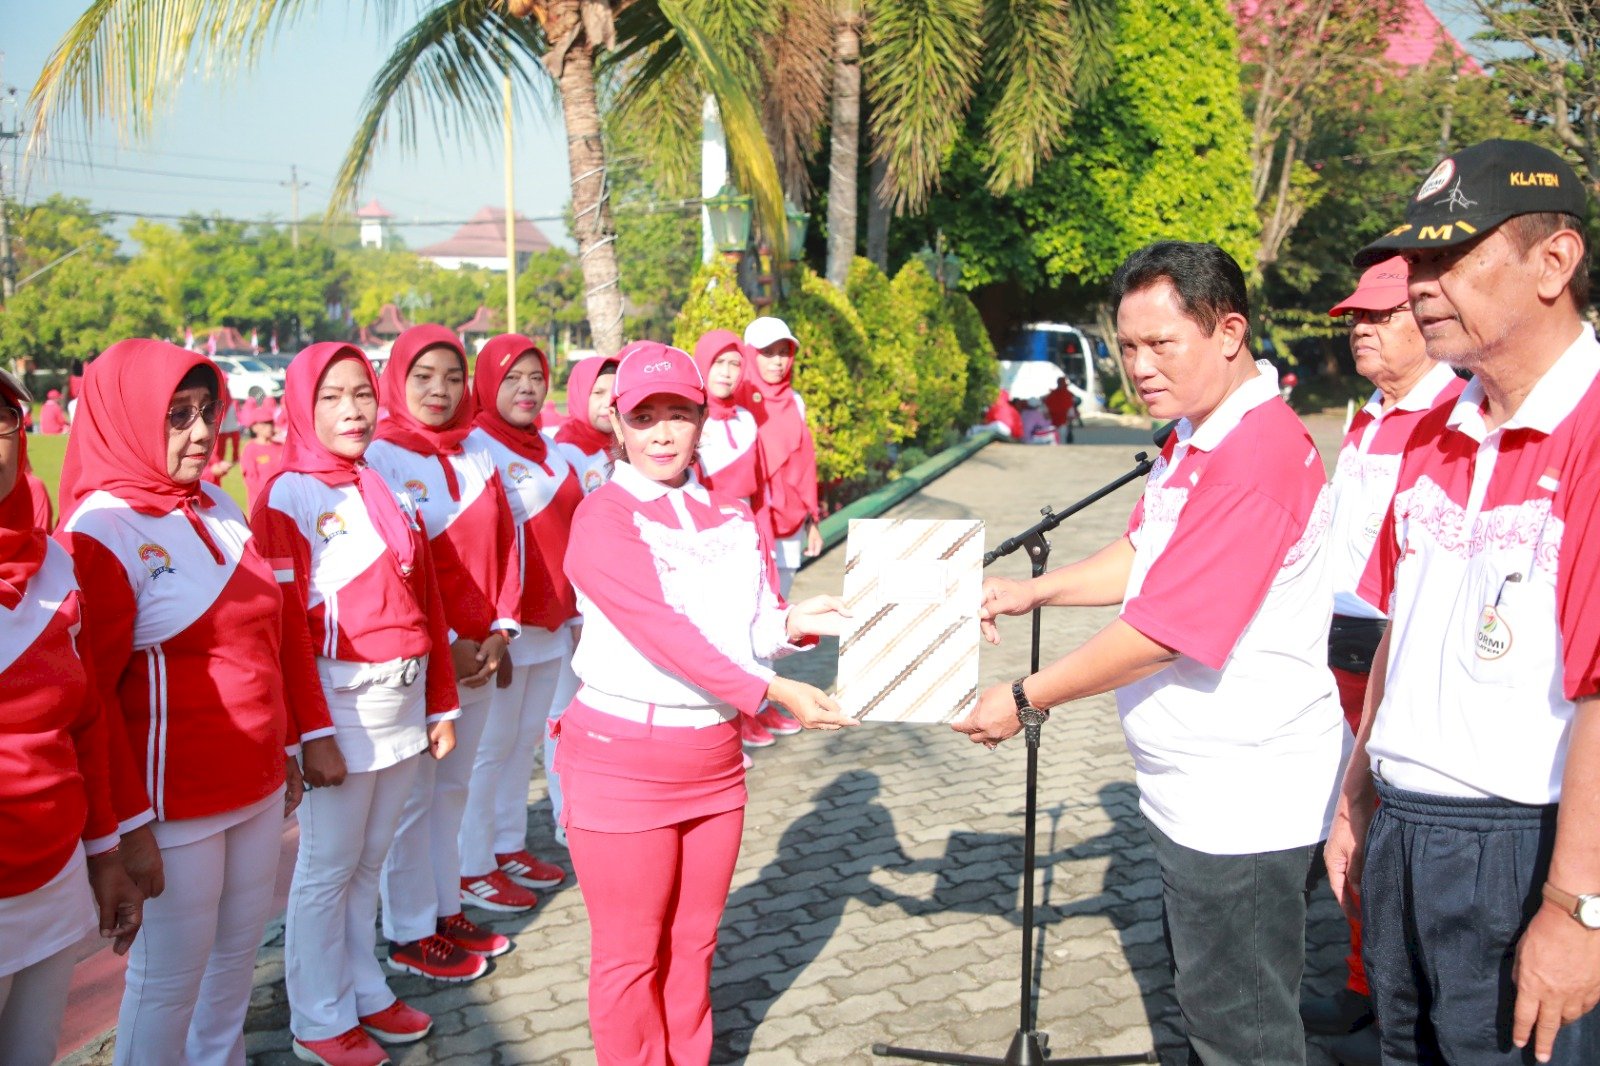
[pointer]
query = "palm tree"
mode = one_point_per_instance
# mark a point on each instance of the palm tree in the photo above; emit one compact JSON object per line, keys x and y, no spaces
{"x":926,"y":68}
{"x":123,"y":60}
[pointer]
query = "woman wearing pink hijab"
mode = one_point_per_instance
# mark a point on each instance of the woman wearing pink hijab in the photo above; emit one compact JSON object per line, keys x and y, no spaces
{"x":181,"y":619}
{"x":367,"y":656}
{"x":421,"y":449}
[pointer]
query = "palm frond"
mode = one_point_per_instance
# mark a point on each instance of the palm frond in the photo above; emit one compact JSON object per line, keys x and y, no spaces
{"x":1046,"y":56}
{"x":447,"y":68}
{"x":748,"y":151}
{"x":922,"y":63}
{"x":797,"y":75}
{"x":124,"y":60}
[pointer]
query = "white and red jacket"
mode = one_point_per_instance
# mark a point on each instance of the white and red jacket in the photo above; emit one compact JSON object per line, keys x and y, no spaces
{"x":729,"y":459}
{"x":345,"y":597}
{"x":543,"y":498}
{"x":676,"y":604}
{"x":593,"y":469}
{"x":55,"y":785}
{"x":473,"y":539}
{"x":182,"y":617}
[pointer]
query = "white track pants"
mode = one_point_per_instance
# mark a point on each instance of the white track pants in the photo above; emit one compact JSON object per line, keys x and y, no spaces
{"x":32,"y":1001}
{"x":421,"y":877}
{"x":191,"y":968}
{"x":330,"y":970}
{"x":496,"y":819}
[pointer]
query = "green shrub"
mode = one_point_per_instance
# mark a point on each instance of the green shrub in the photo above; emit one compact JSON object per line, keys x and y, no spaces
{"x":715,"y":302}
{"x":892,"y":335}
{"x":941,"y":364}
{"x":983,"y":366}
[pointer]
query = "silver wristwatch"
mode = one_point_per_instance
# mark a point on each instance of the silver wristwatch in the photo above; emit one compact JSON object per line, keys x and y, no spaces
{"x":1027,"y":713}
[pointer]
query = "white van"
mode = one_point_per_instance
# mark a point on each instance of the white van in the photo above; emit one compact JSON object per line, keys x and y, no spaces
{"x":1071,"y":349}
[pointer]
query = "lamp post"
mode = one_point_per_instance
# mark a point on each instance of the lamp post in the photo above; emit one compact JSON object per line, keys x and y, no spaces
{"x":944,"y":266}
{"x":729,"y":213}
{"x":798,"y":220}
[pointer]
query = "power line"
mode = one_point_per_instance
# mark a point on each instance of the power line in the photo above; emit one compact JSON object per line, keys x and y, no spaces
{"x":160,"y":173}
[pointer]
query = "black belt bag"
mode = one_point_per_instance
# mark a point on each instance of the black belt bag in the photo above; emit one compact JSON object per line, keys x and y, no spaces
{"x":1352,"y":642}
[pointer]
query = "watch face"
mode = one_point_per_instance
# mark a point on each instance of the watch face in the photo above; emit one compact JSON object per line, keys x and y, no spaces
{"x":1589,"y":911}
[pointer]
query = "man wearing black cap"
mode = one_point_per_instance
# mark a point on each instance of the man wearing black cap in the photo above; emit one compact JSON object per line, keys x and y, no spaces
{"x":1480,"y":874}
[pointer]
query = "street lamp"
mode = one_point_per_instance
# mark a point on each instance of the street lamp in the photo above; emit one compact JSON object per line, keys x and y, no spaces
{"x":944,"y":266}
{"x":797,"y":230}
{"x":729,"y":213}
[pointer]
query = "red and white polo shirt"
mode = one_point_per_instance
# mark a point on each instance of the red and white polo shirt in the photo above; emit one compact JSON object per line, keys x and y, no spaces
{"x":1487,"y":560}
{"x":1365,"y":477}
{"x":1240,"y":743}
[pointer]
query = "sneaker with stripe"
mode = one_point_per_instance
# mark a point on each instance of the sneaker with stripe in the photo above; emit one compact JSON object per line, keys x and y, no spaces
{"x":494,"y":891}
{"x":352,"y":1048}
{"x":528,"y":871}
{"x":437,"y":957}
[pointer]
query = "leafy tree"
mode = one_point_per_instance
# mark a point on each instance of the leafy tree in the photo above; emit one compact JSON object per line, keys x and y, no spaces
{"x":941,"y":365}
{"x":424,"y":291}
{"x":76,"y":295}
{"x":1553,"y":75}
{"x":891,"y":333}
{"x":983,"y":368}
{"x":550,"y":295}
{"x":715,"y":302}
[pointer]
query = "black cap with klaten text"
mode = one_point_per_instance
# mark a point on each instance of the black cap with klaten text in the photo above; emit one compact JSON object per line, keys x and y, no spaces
{"x":1475,"y":190}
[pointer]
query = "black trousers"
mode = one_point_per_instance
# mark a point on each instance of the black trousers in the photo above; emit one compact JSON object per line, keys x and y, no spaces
{"x":1236,"y":928}
{"x":1448,"y":887}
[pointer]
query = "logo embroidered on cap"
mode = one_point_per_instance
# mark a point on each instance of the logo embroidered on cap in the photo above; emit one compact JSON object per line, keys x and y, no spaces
{"x":329,"y":525}
{"x":1459,"y":199}
{"x":419,"y":491}
{"x":1438,"y":179}
{"x":1542,"y":178}
{"x":657,"y":367}
{"x":156,"y":559}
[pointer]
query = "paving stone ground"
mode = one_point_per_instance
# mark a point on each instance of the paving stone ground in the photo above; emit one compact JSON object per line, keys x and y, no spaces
{"x":877,"y":895}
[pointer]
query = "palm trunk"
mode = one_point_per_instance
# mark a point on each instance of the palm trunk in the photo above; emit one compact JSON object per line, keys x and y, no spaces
{"x":844,"y":149}
{"x":878,"y":215}
{"x":591,"y":205}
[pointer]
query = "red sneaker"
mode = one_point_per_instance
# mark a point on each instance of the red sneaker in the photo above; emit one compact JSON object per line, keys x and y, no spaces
{"x":528,"y":871}
{"x":398,"y":1023}
{"x":776,"y":722}
{"x":495,"y":892}
{"x":753,"y":734}
{"x":437,"y":957}
{"x":461,"y":931}
{"x":354,"y":1048}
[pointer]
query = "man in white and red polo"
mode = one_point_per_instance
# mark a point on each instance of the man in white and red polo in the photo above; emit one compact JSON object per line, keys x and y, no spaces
{"x":1388,"y":351}
{"x":1480,"y":887}
{"x":1219,"y":657}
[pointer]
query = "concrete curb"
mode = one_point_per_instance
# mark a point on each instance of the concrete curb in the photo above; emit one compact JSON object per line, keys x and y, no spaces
{"x":836,"y":526}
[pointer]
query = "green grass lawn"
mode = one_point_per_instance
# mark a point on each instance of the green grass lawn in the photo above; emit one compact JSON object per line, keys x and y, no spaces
{"x":46,"y":453}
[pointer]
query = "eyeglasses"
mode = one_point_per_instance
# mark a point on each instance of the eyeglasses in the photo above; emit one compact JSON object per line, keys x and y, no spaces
{"x":10,"y":420}
{"x":181,"y":418}
{"x":1363,"y":317}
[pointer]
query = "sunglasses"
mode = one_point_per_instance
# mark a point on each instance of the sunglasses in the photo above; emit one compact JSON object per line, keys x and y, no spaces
{"x":1363,"y":317}
{"x":181,"y":418}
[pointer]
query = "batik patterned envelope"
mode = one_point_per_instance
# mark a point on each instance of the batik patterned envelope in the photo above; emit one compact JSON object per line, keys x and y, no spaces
{"x":909,"y":651}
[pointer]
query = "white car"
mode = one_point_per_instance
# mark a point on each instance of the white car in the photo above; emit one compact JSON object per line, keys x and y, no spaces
{"x":245,"y":372}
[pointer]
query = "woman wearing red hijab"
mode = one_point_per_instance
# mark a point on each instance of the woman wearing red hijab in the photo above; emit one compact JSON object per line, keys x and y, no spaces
{"x":510,"y":382}
{"x":56,"y":817}
{"x":786,"y":444}
{"x":181,"y":618}
{"x":52,"y":416}
{"x":366,"y":655}
{"x":421,"y":450}
{"x":585,"y":437}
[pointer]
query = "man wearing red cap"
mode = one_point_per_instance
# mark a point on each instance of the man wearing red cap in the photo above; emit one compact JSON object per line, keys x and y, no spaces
{"x":1388,"y":351}
{"x":1478,"y":872}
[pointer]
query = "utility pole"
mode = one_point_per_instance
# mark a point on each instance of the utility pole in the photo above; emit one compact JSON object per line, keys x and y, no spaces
{"x":295,"y":185}
{"x":9,"y":131}
{"x":511,"y":216}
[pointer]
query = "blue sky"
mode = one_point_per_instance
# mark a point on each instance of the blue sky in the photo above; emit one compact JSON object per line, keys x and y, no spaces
{"x":226,"y":144}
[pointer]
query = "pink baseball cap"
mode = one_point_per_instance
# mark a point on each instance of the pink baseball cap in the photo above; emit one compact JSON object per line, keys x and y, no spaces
{"x":650,"y":368}
{"x":1382,"y":286}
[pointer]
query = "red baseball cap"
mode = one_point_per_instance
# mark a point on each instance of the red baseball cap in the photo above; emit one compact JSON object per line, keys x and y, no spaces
{"x":650,"y":368}
{"x":1382,"y":287}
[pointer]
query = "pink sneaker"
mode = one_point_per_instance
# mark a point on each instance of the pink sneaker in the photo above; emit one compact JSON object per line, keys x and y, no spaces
{"x":528,"y":871}
{"x":776,"y":722}
{"x":353,"y":1048}
{"x":398,"y":1023}
{"x":753,"y":734}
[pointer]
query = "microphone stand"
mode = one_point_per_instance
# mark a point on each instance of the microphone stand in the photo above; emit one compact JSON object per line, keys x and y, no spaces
{"x":1029,"y":1046}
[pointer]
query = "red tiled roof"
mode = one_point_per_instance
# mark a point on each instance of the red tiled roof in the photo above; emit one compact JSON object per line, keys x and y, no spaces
{"x":485,"y":238}
{"x":482,"y":321}
{"x":374,"y":209}
{"x":1410,"y":42}
{"x":390,"y":323}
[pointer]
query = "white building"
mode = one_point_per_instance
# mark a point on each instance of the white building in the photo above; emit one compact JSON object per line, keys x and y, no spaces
{"x":374,"y":224}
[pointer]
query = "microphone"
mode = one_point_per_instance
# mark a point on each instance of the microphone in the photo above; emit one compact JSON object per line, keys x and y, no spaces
{"x":1161,"y":435}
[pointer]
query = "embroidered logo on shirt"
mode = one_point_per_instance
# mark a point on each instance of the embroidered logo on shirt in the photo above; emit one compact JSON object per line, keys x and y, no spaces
{"x":156,"y":559}
{"x":592,"y":479}
{"x":518,"y":473}
{"x":419,"y":491}
{"x":329,"y":525}
{"x":1493,"y":638}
